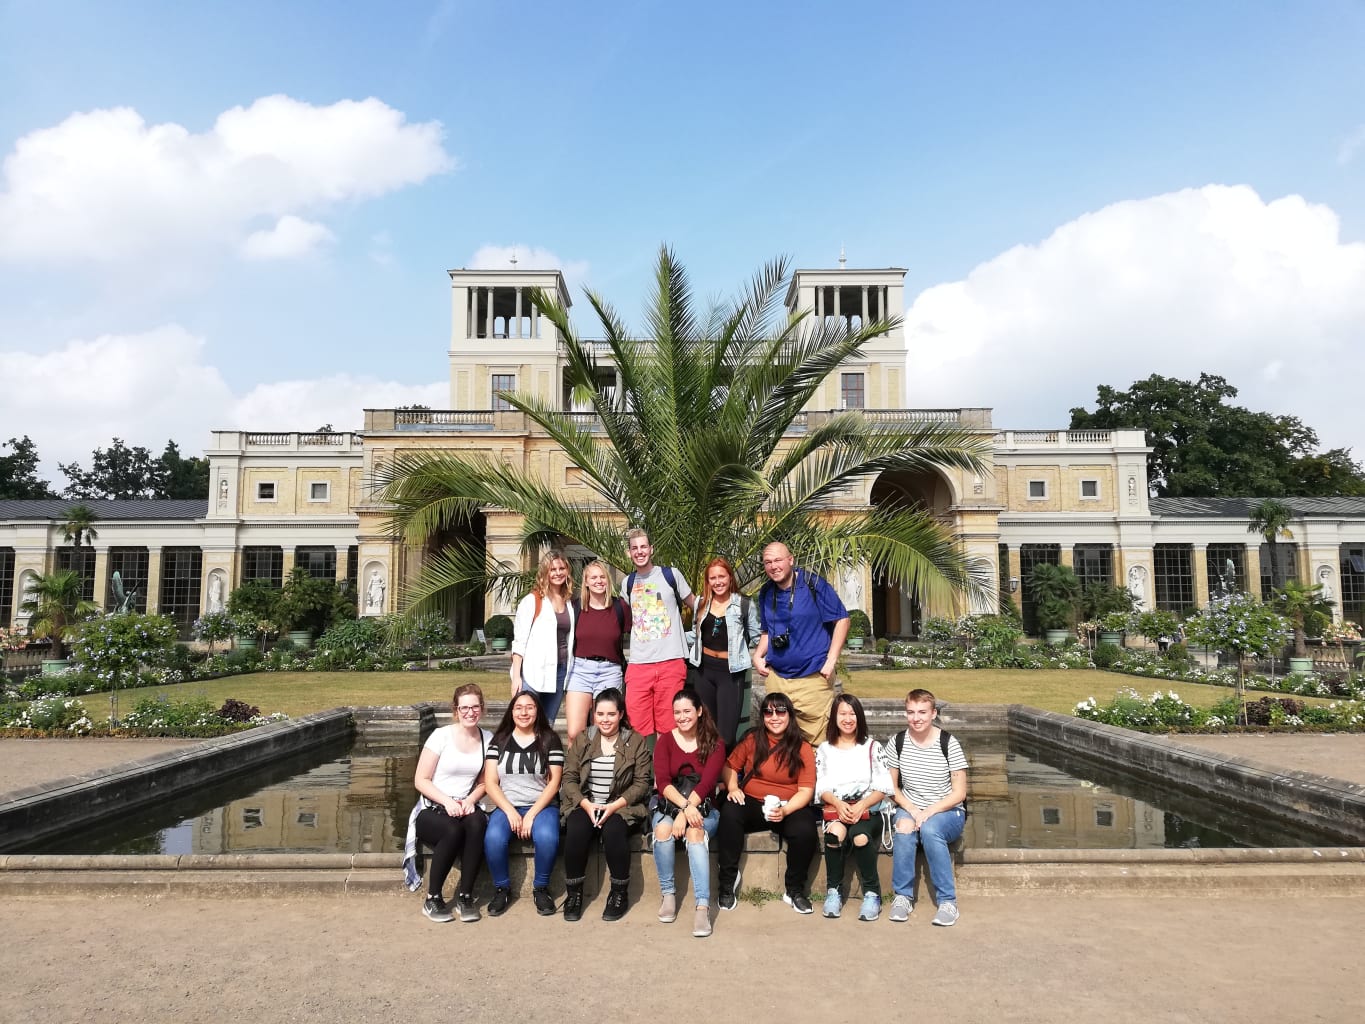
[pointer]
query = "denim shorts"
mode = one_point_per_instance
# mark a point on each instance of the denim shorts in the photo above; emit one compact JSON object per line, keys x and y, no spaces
{"x":595,"y":676}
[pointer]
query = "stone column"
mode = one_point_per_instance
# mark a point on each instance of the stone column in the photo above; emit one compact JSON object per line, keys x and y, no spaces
{"x":488,"y":321}
{"x":102,"y":577}
{"x":1068,"y":556}
{"x":518,"y":334}
{"x":153,"y":580}
{"x":1015,"y":569}
{"x":864,"y":305}
{"x":837,"y":313}
{"x":1200,"y":558}
{"x":1252,"y":559}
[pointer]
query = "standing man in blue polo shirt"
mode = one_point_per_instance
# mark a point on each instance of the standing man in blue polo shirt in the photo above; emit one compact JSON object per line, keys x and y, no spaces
{"x":804,"y":626}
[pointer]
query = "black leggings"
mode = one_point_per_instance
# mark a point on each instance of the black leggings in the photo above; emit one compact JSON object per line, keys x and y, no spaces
{"x":578,"y":835}
{"x":450,"y":838}
{"x":720,"y":690}
{"x":797,"y":829}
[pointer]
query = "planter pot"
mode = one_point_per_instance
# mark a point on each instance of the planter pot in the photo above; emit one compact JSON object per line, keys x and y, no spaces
{"x":855,"y":643}
{"x":301,"y":638}
{"x":245,"y":643}
{"x":1108,"y":636}
{"x":1056,"y":637}
{"x":55,"y":667}
{"x":1300,"y":666}
{"x":500,"y":643}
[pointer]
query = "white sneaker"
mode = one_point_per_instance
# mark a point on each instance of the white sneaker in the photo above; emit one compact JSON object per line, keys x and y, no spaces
{"x":901,"y":908}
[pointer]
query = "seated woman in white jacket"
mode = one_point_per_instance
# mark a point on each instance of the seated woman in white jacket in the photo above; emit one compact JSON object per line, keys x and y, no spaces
{"x":543,"y":635}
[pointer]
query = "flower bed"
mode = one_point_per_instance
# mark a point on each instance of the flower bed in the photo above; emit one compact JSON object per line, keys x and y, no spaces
{"x":152,"y":716}
{"x":1167,"y":712}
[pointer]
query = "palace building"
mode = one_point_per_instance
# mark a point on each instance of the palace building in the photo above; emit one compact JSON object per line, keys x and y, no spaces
{"x":280,"y":499}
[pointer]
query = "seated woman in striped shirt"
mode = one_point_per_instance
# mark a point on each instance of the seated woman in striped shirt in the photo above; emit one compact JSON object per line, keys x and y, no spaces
{"x":605,"y":789}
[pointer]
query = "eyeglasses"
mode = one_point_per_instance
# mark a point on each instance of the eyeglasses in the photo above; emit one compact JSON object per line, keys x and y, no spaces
{"x":471,"y":709}
{"x":775,"y":712}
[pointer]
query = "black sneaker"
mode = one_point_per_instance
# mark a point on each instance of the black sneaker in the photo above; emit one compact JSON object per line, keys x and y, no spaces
{"x":436,"y":910}
{"x":467,"y":907}
{"x":573,"y":903}
{"x":617,"y":902}
{"x":545,"y":903}
{"x":729,"y":895}
{"x":497,"y":906}
{"x":797,"y":901}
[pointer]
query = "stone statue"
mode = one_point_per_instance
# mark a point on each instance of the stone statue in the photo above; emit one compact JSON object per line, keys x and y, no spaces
{"x":374,"y":593}
{"x":215,"y":592}
{"x":1137,"y":586}
{"x":1325,"y":581}
{"x":1228,"y":582}
{"x":853,"y":588}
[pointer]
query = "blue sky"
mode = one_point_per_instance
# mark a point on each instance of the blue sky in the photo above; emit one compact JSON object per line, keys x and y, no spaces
{"x":1083,"y":193}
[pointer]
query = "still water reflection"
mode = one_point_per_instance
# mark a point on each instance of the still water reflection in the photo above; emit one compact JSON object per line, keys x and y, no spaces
{"x":357,"y":799}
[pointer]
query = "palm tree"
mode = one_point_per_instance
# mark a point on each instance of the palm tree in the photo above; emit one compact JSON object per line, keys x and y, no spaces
{"x":1302,"y":604}
{"x":698,"y":447}
{"x":1269,"y":518}
{"x":56,"y":604}
{"x":78,"y":528}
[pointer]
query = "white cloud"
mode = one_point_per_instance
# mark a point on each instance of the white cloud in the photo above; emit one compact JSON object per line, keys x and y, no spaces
{"x":1211,"y":279}
{"x":530,"y":257}
{"x":150,"y":387}
{"x":290,"y":238}
{"x":104,"y":186}
{"x":1351,"y":145}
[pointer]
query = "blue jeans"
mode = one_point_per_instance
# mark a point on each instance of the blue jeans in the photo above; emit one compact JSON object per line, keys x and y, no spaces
{"x":544,"y":835}
{"x":935,"y":835}
{"x":698,"y":858}
{"x":551,"y":701}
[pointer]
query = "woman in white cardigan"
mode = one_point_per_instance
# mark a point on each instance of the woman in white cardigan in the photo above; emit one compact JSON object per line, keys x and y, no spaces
{"x":543,"y":635}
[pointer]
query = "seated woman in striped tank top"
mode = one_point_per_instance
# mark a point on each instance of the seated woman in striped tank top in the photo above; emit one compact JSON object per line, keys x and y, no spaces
{"x":604,"y":792}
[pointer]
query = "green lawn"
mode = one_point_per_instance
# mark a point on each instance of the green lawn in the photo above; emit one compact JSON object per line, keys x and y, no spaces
{"x":297,"y":693}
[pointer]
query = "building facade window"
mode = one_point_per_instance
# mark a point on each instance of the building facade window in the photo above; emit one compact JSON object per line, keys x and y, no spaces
{"x":263,"y":563}
{"x":1090,"y":490}
{"x":132,"y":566}
{"x":265,"y":490}
{"x":853,"y":391}
{"x":1287,"y":555}
{"x":319,"y":490}
{"x":7,"y":598}
{"x":181,"y":578}
{"x":1093,"y":563}
{"x":1353,"y":583}
{"x":66,"y":559}
{"x":1173,"y":577}
{"x":1227,"y":568}
{"x":319,"y":562}
{"x":1037,"y":490}
{"x":1029,"y":556}
{"x":503,"y":382}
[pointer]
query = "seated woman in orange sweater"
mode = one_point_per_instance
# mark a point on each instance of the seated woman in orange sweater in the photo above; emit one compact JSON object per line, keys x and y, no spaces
{"x":770,"y":782}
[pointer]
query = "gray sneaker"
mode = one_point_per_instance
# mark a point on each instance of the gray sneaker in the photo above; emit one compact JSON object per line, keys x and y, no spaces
{"x":668,"y":908}
{"x":435,"y":908}
{"x":467,"y":907}
{"x":946,"y":916}
{"x":901,"y":908}
{"x":833,"y":903}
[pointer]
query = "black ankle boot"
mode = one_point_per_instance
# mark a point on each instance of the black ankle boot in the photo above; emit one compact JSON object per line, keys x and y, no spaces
{"x":573,"y":901}
{"x":617,"y":901}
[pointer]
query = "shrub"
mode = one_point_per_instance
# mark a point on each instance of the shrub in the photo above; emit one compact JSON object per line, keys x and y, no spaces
{"x":238,"y":711}
{"x":883,"y":645}
{"x":1106,"y":655}
{"x":1274,"y":711}
{"x":938,"y":631}
{"x":1178,"y":654}
{"x":498,"y":627}
{"x":54,"y":714}
{"x":347,"y":640}
{"x":858,"y":623}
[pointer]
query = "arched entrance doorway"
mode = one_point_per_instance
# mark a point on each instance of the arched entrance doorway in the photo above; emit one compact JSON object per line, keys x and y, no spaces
{"x":466,"y":608}
{"x":895,"y":612}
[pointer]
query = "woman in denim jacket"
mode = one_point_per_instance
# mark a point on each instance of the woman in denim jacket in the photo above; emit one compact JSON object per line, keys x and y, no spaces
{"x":725,"y":628}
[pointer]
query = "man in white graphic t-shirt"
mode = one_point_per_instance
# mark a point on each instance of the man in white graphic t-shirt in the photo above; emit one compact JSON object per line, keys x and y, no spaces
{"x":658,"y":666}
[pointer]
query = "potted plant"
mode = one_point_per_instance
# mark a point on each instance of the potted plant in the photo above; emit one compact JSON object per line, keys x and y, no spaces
{"x":1056,"y":596}
{"x":55,"y":605}
{"x":1109,"y":607}
{"x":306,"y":607}
{"x":859,"y":628}
{"x":498,"y":632}
{"x":1303,"y":606}
{"x":253,"y":607}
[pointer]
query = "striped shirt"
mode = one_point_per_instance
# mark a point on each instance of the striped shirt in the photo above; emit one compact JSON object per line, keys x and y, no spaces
{"x":601,"y":774}
{"x":925,"y":777}
{"x":522,"y":771}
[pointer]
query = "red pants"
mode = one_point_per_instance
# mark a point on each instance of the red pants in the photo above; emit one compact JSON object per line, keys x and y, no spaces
{"x":649,"y":694}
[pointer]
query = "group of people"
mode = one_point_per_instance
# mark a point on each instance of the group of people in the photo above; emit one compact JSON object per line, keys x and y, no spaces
{"x":652,"y":745}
